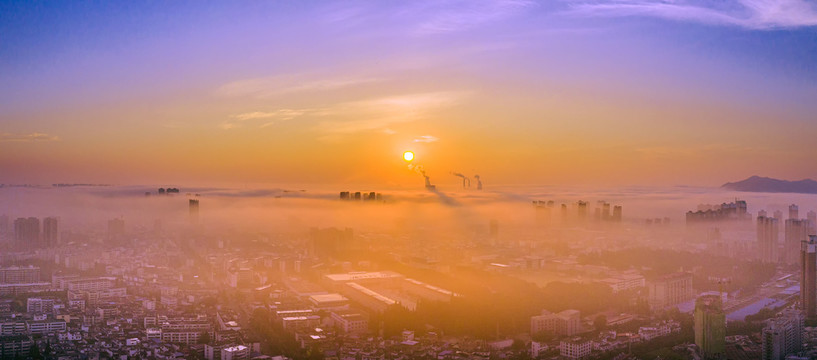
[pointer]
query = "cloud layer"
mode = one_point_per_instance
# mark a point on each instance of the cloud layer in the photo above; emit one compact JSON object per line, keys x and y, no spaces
{"x":9,"y":137}
{"x":749,"y":14}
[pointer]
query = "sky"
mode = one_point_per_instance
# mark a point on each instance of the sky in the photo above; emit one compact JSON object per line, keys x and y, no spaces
{"x":558,"y":92}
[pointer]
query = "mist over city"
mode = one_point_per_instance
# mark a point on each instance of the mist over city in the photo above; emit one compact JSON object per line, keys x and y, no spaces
{"x":369,"y":180}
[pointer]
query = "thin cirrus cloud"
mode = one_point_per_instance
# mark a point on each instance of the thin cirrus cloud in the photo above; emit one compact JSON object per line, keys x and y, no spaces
{"x":749,"y":14}
{"x":266,"y":87}
{"x":451,"y":16}
{"x":267,"y":118}
{"x":380,"y":113}
{"x":32,"y":137}
{"x":426,"y":139}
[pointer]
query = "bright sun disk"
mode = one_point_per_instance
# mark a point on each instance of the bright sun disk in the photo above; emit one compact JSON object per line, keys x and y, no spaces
{"x":408,"y":156}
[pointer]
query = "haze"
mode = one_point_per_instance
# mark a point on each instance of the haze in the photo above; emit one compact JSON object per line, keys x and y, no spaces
{"x":373,"y":180}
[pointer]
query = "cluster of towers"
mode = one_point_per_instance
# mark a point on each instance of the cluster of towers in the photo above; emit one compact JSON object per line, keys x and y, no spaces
{"x":796,"y":231}
{"x":361,"y":196}
{"x":604,"y":212}
{"x":29,"y":235}
{"x":727,"y":211}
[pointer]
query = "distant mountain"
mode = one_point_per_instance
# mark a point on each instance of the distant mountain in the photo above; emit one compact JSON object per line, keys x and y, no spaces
{"x":764,"y":184}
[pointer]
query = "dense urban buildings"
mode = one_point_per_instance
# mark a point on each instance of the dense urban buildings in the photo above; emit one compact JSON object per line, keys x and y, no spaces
{"x":783,"y":335}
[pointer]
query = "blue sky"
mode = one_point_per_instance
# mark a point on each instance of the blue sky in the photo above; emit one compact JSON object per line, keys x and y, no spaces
{"x":735,"y":79}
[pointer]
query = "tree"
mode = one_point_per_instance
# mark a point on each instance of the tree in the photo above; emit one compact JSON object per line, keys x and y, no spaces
{"x":600,"y":323}
{"x":204,"y":338}
{"x":543,"y":336}
{"x":34,"y":352}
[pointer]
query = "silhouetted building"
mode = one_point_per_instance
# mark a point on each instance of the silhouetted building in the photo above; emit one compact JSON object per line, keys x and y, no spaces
{"x":50,"y":232}
{"x":812,"y":222}
{"x":27,"y":233}
{"x":581,"y":210}
{"x":710,"y":326}
{"x":796,"y":232}
{"x":808,"y":277}
{"x":543,"y":212}
{"x":793,"y":212}
{"x":782,"y":335}
{"x":726,"y":211}
{"x":767,"y":239}
{"x":193,"y":207}
{"x":617,"y":213}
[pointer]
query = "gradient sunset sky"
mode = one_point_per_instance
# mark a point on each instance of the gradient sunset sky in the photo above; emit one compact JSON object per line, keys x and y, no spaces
{"x":522,"y":92}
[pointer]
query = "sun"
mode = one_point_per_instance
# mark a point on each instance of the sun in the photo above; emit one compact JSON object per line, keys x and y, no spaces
{"x":408,"y":156}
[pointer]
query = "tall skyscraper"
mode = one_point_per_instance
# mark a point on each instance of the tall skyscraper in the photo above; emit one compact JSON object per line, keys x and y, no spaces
{"x":778,"y":215}
{"x":812,"y":222}
{"x":767,"y":237}
{"x":50,"y":232}
{"x":793,"y":212}
{"x":27,"y":233}
{"x":617,"y":213}
{"x":582,"y":210}
{"x":796,"y":232}
{"x":808,"y":277}
{"x":783,"y":335}
{"x":193,"y":206}
{"x":710,"y":327}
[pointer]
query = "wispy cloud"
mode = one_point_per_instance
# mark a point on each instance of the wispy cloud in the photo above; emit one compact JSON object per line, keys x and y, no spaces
{"x":426,"y":139}
{"x":268,"y":117}
{"x":749,"y":14}
{"x":381,"y":113}
{"x":450,"y":16}
{"x":265,"y":87}
{"x":9,"y":137}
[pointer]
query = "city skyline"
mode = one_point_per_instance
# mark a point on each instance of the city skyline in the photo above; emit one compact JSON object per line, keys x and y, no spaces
{"x":522,"y":92}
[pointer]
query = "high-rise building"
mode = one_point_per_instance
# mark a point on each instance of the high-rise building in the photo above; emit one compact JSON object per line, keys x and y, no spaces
{"x":27,"y":233}
{"x":543,"y":215}
{"x":778,"y":215}
{"x":808,"y":277}
{"x":710,"y":327}
{"x":50,"y":232}
{"x":193,"y":206}
{"x":796,"y":232}
{"x":812,"y":222}
{"x":116,"y":230}
{"x":582,"y":210}
{"x":793,"y":212}
{"x":767,"y":238}
{"x":783,"y":335}
{"x":670,"y":290}
{"x":617,"y":213}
